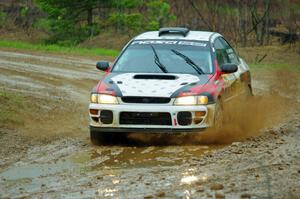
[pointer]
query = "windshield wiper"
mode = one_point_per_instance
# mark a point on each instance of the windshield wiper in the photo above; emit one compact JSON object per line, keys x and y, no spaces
{"x":189,"y":61}
{"x":157,"y":61}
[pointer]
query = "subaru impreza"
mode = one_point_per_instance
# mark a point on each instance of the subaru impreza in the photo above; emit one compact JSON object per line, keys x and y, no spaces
{"x":167,"y":81}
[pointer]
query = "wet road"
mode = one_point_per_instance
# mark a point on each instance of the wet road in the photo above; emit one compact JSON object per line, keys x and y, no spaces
{"x":113,"y":168}
{"x":50,"y":156}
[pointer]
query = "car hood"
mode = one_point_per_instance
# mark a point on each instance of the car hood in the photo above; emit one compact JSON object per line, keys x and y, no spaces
{"x":150,"y":85}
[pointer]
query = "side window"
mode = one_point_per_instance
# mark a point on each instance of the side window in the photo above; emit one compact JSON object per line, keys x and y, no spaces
{"x":221,"y":53}
{"x":233,"y":58}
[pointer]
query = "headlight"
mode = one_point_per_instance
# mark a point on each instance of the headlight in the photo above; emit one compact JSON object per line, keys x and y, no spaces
{"x":188,"y":100}
{"x":103,"y":99}
{"x":191,"y":100}
{"x":107,"y":99}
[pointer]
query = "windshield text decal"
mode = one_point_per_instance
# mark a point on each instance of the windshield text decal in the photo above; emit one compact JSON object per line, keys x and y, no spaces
{"x":169,"y":42}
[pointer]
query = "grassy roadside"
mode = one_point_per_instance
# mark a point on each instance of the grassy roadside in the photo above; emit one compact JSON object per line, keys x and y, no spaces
{"x":280,"y":57}
{"x":286,"y":66}
{"x":21,"y":45}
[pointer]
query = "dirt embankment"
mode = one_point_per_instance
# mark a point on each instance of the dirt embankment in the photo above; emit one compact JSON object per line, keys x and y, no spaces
{"x":46,"y":150}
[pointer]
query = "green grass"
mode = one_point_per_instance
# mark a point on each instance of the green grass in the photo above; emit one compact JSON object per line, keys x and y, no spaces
{"x":57,"y":49}
{"x":275,"y":66}
{"x":281,"y":57}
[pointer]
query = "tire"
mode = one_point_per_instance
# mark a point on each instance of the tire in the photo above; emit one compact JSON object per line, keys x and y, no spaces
{"x":249,"y":92}
{"x":98,"y":138}
{"x":105,"y":138}
{"x":218,"y":116}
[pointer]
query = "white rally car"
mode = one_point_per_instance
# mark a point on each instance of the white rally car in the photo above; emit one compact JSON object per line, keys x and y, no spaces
{"x":171,"y":80}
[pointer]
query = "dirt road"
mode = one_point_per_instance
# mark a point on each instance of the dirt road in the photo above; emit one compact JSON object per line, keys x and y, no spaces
{"x":46,"y":152}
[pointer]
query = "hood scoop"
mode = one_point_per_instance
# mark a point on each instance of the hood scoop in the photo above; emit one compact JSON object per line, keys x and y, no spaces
{"x":152,"y":76}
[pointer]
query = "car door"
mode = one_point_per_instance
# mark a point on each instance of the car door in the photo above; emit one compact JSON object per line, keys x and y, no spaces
{"x":226,"y":54}
{"x":243,"y":78}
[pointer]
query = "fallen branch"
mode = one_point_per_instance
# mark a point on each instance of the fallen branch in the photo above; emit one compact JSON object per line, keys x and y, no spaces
{"x":258,"y":60}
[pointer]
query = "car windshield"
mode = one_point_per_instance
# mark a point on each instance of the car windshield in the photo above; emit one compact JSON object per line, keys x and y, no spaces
{"x":158,"y":56}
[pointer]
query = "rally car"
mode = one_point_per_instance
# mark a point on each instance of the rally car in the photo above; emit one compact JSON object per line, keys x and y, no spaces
{"x":166,"y":81}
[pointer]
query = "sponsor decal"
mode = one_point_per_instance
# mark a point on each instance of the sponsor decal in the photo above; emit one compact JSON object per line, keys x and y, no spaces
{"x":169,"y":42}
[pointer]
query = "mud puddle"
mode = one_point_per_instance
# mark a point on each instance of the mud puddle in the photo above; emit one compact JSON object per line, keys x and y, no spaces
{"x":101,"y":158}
{"x":113,"y":166}
{"x":36,"y":170}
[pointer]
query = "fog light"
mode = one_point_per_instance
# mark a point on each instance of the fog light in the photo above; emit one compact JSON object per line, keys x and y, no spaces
{"x":200,"y":113}
{"x":199,"y":116}
{"x":106,"y":116}
{"x":94,"y":111}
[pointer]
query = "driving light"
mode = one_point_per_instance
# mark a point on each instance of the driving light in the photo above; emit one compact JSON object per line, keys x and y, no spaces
{"x":103,"y":99}
{"x":202,"y":99}
{"x":107,"y":99}
{"x":94,"y":97}
{"x":191,"y":100}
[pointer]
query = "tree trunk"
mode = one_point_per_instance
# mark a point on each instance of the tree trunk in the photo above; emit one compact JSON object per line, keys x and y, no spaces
{"x":90,"y":21}
{"x":243,"y":23}
{"x":262,"y":33}
{"x":267,"y":28}
{"x":90,"y":16}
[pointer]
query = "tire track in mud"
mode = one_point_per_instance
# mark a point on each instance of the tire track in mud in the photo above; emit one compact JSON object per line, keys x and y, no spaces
{"x":55,"y":59}
{"x":47,"y":75}
{"x":69,"y":166}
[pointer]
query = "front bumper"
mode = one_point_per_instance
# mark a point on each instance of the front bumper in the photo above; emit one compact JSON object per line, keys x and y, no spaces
{"x":174,"y":126}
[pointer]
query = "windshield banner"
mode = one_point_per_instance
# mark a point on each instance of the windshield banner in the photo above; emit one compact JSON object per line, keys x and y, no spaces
{"x":169,"y":42}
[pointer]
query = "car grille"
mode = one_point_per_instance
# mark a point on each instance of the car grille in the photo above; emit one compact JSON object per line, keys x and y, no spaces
{"x":150,"y":100}
{"x":145,"y":118}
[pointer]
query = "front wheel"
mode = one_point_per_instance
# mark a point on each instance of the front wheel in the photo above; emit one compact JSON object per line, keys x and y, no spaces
{"x":248,"y":91}
{"x":218,"y":117}
{"x":98,"y":138}
{"x":107,"y":138}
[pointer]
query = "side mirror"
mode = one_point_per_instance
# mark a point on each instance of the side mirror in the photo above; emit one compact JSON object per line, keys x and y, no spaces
{"x":229,"y":68}
{"x":102,"y":65}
